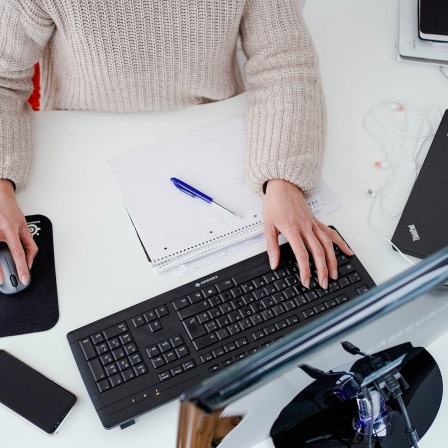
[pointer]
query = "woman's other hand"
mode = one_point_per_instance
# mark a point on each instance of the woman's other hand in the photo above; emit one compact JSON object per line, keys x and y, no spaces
{"x":15,"y":232}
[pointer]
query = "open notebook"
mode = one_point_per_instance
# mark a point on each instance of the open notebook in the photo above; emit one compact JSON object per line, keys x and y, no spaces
{"x":173,"y":227}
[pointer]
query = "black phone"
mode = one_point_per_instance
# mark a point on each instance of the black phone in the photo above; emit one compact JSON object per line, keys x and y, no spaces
{"x":33,"y":396}
{"x":433,"y":20}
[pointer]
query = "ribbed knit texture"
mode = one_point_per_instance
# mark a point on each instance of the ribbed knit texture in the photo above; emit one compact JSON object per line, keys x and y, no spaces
{"x":119,"y":56}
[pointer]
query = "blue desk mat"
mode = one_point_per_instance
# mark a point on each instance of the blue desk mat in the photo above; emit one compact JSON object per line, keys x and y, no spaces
{"x":36,"y":308}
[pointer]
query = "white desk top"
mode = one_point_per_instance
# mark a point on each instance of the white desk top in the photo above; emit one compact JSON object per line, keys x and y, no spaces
{"x":100,"y":265}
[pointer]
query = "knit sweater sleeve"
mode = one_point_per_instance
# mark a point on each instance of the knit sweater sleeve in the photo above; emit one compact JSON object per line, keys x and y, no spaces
{"x":23,"y":34}
{"x":286,"y":120}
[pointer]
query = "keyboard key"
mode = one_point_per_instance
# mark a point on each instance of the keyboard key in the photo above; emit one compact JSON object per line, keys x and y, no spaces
{"x":345,"y":269}
{"x":278,"y":309}
{"x":106,"y":358}
{"x":194,"y":328}
{"x":153,"y":351}
{"x":123,"y":364}
{"x":130,"y":348}
{"x":245,"y":323}
{"x":162,"y":311}
{"x":281,"y":325}
{"x":320,"y":308}
{"x":214,"y":301}
{"x":205,"y":341}
{"x":343,"y":282}
{"x":150,"y":315}
{"x":227,"y":362}
{"x":206,"y":357}
{"x":234,"y":316}
{"x":176,"y":340}
{"x":125,"y":338}
{"x":223,"y":321}
{"x":97,"y":338}
{"x":218,"y":352}
{"x":195,"y":297}
{"x":237,"y":291}
{"x":312,"y":295}
{"x":331,"y":303}
{"x":309,"y":313}
{"x":96,"y":369}
{"x":158,"y":361}
{"x":111,"y":369}
{"x":140,"y":369}
{"x":176,"y":370}
{"x":269,"y":330}
{"x":203,"y":317}
{"x":362,"y":289}
{"x":118,"y":353}
{"x":189,"y":365}
{"x":191,"y":310}
{"x":256,"y":319}
{"x":164,"y":346}
{"x":342,"y":299}
{"x":249,"y":275}
{"x":230,"y":347}
{"x":224,"y":284}
{"x":155,"y":326}
{"x":115,"y":330}
{"x":181,"y":303}
{"x":138,"y":320}
{"x":292,"y":320}
{"x":289,"y":304}
{"x":170,"y":356}
{"x":242,"y":342}
{"x":103,"y":385}
{"x":128,"y":374}
{"x":254,"y":350}
{"x":234,"y":329}
{"x":116,"y":380}
{"x":181,"y":351}
{"x":354,"y":277}
{"x":210,"y":291}
{"x":113,"y":343}
{"x":258,"y":334}
{"x":135,"y":359}
{"x":223,"y":333}
{"x":87,"y":348}
{"x":102,"y":348}
{"x":333,"y":286}
{"x":211,"y":326}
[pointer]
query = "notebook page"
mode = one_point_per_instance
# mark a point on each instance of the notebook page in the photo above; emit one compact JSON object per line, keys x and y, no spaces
{"x":175,"y":228}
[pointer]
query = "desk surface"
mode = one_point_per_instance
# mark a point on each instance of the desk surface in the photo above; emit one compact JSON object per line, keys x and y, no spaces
{"x":94,"y":238}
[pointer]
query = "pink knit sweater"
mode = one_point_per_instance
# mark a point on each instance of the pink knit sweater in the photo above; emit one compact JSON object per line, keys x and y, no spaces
{"x":142,"y":55}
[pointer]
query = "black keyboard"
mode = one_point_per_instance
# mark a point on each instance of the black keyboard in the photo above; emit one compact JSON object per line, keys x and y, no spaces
{"x":144,"y":356}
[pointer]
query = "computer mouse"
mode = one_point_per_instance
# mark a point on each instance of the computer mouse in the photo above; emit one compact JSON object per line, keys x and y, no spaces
{"x":12,"y":284}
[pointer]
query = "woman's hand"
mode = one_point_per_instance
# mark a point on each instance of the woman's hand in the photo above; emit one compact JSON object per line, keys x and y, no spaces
{"x":15,"y":232}
{"x":287,"y":212}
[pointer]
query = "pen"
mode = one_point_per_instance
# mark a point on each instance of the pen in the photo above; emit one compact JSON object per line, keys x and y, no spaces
{"x":185,"y":188}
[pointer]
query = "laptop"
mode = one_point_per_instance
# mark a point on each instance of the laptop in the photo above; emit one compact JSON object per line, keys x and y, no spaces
{"x":421,"y":230}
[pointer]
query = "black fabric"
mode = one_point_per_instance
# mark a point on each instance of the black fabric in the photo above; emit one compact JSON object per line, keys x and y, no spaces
{"x":35,"y":308}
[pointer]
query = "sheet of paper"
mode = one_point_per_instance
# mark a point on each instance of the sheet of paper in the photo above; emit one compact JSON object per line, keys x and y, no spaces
{"x":324,"y":201}
{"x":173,"y":227}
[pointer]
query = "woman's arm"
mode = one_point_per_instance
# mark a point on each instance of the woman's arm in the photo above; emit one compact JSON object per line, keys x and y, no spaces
{"x":24,"y":32}
{"x":286,"y":128}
